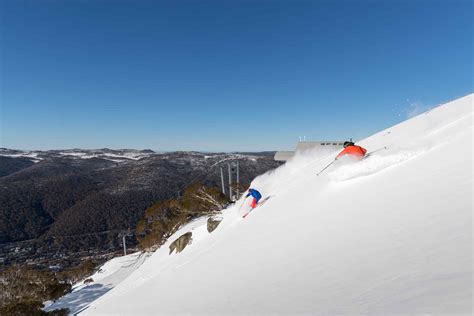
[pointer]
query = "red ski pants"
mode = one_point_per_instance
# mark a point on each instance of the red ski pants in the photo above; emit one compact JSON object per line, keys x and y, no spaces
{"x":254,"y":203}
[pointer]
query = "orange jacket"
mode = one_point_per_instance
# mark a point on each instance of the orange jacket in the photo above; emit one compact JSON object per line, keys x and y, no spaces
{"x":355,"y":151}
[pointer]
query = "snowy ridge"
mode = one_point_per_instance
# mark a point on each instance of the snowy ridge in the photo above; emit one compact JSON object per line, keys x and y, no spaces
{"x":391,"y":234}
{"x":109,"y":156}
{"x":119,"y":155}
{"x":33,"y":156}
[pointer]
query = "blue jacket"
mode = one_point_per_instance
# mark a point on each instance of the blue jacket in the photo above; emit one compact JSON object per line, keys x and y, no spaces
{"x":254,"y":193}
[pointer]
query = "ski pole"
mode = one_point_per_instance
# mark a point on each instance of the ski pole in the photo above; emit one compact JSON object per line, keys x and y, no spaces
{"x":325,"y":167}
{"x":242,"y":204}
{"x":376,"y":150}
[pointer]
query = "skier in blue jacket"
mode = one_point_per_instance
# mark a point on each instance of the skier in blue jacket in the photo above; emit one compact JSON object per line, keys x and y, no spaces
{"x":256,"y":196}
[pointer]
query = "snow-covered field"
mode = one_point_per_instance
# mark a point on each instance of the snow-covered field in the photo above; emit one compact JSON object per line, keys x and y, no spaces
{"x":391,"y":234}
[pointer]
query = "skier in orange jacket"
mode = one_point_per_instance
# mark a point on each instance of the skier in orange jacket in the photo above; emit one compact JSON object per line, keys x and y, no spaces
{"x":353,"y":150}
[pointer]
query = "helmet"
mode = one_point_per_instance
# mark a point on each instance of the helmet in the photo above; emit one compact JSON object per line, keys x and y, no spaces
{"x":347,"y":144}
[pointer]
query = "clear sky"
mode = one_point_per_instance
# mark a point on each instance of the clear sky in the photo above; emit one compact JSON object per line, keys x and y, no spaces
{"x":224,"y":75}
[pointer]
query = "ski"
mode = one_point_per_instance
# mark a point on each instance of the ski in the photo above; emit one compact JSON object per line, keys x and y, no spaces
{"x":259,"y":204}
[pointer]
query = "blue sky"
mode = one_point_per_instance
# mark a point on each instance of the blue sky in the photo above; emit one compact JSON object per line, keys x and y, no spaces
{"x":224,"y":75}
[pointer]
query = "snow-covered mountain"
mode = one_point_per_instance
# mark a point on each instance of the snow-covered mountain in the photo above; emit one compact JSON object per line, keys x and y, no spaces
{"x":391,"y":234}
{"x":116,"y":155}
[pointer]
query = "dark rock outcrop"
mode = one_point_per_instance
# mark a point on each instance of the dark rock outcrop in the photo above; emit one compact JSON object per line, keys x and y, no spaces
{"x":212,"y":223}
{"x":181,"y":243}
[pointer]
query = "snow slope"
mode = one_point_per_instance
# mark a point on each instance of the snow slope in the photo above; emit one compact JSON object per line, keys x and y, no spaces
{"x":391,"y":234}
{"x":108,"y":276}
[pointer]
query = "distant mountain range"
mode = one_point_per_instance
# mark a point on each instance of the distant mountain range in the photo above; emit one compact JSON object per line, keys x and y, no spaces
{"x":116,"y":155}
{"x":48,"y":194}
